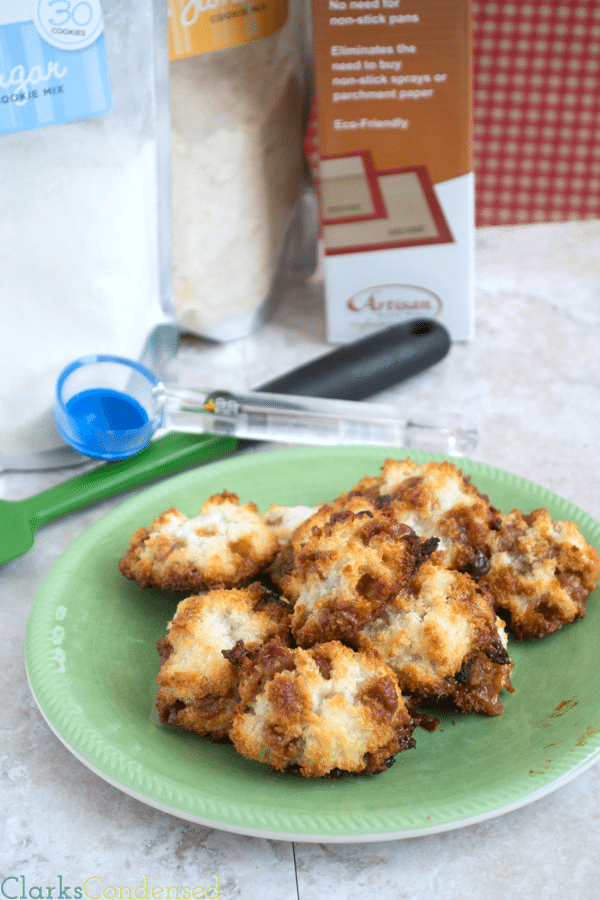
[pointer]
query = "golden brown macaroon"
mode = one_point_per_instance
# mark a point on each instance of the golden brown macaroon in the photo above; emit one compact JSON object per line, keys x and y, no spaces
{"x":283,"y":521}
{"x":282,"y":566}
{"x":443,"y":640}
{"x":198,"y":683}
{"x":437,"y":500}
{"x":348,"y":569}
{"x":283,"y":562}
{"x":225,"y":544}
{"x":324,"y":711}
{"x":542,"y":572}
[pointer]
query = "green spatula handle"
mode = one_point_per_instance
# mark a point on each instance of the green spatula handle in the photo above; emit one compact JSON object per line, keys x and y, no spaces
{"x":164,"y":456}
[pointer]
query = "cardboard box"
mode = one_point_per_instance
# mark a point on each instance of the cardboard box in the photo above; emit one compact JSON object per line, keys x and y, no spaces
{"x":393,"y":102}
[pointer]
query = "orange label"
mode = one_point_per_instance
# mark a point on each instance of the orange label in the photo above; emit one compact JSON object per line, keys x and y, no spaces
{"x":393,"y":80}
{"x":199,"y":26}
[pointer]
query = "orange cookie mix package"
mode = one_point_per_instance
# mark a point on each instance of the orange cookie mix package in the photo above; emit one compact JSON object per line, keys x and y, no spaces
{"x":240,"y":208}
{"x":394,"y":108}
{"x":207,"y":25}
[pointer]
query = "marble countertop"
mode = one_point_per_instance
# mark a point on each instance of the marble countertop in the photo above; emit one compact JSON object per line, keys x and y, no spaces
{"x":531,"y":382}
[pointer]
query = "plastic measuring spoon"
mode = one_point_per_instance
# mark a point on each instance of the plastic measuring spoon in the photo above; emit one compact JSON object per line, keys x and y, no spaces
{"x":356,"y":370}
{"x":109,"y":407}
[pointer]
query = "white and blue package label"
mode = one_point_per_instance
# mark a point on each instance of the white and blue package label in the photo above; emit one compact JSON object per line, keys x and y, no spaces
{"x":53,"y":63}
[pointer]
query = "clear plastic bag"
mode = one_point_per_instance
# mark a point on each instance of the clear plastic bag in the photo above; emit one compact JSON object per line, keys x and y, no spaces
{"x":244,"y":211}
{"x":85,"y":266}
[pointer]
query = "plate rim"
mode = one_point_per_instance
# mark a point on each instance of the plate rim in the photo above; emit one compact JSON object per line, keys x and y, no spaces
{"x":61,"y":569}
{"x":301,"y":837}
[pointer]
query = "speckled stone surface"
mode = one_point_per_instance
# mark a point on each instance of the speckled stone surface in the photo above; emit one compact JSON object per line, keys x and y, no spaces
{"x":531,"y":382}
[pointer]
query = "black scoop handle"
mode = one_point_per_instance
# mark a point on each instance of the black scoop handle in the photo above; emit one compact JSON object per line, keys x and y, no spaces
{"x":367,"y":366}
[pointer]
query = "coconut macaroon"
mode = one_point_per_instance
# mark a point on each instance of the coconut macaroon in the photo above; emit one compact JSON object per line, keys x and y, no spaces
{"x":324,"y":711}
{"x":443,"y":640}
{"x":227,"y":543}
{"x":437,"y":500}
{"x":198,"y":683}
{"x":541,"y":573}
{"x":348,"y":569}
{"x":283,"y":521}
{"x":282,"y":567}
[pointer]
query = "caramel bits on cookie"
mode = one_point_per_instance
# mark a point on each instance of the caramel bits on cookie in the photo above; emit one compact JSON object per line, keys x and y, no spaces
{"x":437,"y":500}
{"x":349,"y":567}
{"x":320,"y":712}
{"x":198,"y":681}
{"x":541,"y":573}
{"x":227,"y":543}
{"x":443,"y":640}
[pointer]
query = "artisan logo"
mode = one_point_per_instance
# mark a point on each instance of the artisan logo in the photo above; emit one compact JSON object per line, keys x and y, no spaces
{"x":16,"y":887}
{"x":396,"y":299}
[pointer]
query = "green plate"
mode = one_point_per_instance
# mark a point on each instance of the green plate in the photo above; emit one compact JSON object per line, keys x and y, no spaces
{"x":92,"y":662}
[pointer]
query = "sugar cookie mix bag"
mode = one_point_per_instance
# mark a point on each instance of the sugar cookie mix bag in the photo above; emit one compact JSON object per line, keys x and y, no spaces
{"x":240,"y":199}
{"x":84,"y":144}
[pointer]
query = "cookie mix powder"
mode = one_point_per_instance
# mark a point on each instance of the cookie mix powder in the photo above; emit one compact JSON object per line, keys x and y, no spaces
{"x":236,"y":119}
{"x":81,"y":262}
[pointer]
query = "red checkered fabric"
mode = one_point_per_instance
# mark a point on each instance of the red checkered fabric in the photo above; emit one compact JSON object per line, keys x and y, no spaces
{"x":536,"y":80}
{"x":536,"y":116}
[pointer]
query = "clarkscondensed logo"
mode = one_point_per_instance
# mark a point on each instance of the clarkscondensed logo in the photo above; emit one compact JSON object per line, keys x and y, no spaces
{"x":396,"y":300}
{"x":17,"y":887}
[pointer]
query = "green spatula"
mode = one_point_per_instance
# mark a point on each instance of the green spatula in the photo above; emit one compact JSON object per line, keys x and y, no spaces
{"x":21,"y":518}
